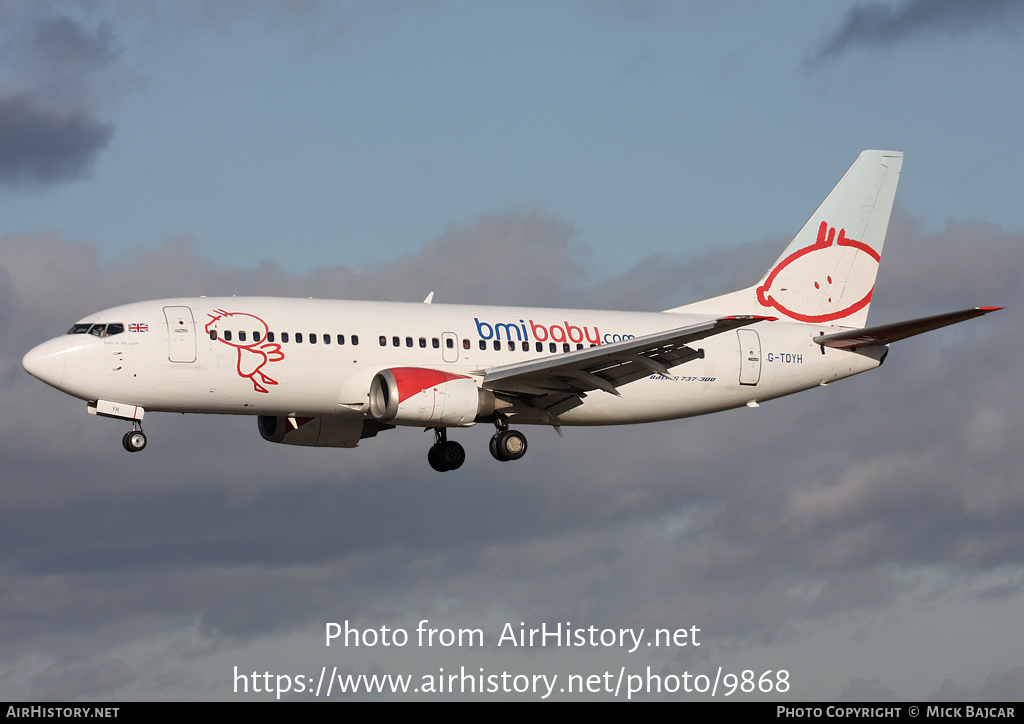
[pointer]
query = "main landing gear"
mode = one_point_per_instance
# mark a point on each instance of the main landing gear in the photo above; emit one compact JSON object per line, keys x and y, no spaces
{"x":507,"y":444}
{"x":445,"y":454}
{"x":135,"y":439}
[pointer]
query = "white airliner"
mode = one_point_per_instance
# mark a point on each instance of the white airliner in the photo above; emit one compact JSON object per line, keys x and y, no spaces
{"x":330,"y":373}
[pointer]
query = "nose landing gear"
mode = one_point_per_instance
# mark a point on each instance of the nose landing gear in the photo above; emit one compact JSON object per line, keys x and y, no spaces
{"x":135,"y":439}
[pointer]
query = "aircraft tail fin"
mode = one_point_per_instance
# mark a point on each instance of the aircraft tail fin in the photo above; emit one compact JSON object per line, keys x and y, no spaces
{"x":827,"y":273}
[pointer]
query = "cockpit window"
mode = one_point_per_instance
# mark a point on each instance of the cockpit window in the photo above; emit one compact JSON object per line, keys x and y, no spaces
{"x":101,"y":329}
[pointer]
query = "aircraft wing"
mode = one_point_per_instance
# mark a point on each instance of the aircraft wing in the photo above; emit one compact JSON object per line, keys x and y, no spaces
{"x":888,"y":333}
{"x":558,"y":383}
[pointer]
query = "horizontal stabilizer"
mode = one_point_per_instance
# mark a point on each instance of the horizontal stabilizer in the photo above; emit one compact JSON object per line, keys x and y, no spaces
{"x":888,"y":333}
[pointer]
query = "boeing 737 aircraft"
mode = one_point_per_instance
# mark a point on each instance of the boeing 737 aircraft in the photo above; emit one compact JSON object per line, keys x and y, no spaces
{"x":331,"y":373}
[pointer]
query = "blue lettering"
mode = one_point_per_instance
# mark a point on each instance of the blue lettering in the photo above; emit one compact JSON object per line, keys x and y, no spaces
{"x":507,"y":327}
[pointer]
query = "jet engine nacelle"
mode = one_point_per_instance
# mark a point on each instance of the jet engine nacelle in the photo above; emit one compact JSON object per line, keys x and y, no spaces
{"x":422,"y":396}
{"x":318,"y":431}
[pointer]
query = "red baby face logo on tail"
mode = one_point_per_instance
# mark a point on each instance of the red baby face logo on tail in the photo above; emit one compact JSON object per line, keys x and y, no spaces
{"x":802,"y":286}
{"x":253,"y":355}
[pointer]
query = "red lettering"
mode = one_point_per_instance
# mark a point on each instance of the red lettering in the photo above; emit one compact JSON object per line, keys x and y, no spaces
{"x":536,"y":335}
{"x":561,"y":333}
{"x":578,"y":337}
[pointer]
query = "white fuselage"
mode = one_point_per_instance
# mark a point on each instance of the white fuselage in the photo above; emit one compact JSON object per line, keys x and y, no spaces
{"x":308,"y":357}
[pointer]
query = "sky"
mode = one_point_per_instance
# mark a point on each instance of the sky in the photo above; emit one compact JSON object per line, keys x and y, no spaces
{"x":865,"y":537}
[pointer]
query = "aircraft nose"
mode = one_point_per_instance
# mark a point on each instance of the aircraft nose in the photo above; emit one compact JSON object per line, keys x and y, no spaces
{"x":46,"y":362}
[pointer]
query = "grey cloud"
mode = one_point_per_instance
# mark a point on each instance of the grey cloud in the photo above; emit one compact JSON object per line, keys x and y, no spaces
{"x":868,"y":690}
{"x":56,"y":74}
{"x":43,"y":146}
{"x":886,"y":24}
{"x":1004,"y":686}
{"x":466,"y":264}
{"x":656,"y":283}
{"x":75,"y":682}
{"x":63,"y":63}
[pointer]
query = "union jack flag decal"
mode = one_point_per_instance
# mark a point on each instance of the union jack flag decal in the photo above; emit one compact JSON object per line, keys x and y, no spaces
{"x":138,"y":327}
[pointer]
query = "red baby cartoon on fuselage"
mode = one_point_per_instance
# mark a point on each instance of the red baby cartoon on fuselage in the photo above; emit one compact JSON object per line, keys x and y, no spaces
{"x":802,"y":287}
{"x":252,"y":354}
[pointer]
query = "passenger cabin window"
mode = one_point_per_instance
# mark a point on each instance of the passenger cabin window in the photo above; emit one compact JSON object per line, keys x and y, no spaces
{"x":270,"y":336}
{"x":449,"y":343}
{"x":396,"y":342}
{"x":312,"y":339}
{"x":213,"y":334}
{"x":355,"y":339}
{"x":465,"y":344}
{"x":284,"y":337}
{"x":341,"y":339}
{"x":298,"y":338}
{"x":241,"y":336}
{"x":255,"y":336}
{"x":227,"y":335}
{"x":423,"y":342}
{"x":436,"y":343}
{"x":327,"y":339}
{"x":383,"y":341}
{"x":483,"y":344}
{"x":408,"y":341}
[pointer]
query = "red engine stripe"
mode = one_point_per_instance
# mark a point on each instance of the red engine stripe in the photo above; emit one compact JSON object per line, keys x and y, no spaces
{"x":413,"y":380}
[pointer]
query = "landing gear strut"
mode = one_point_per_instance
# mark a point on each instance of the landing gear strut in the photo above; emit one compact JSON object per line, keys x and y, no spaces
{"x":507,"y":444}
{"x":135,"y":439}
{"x":445,"y":454}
